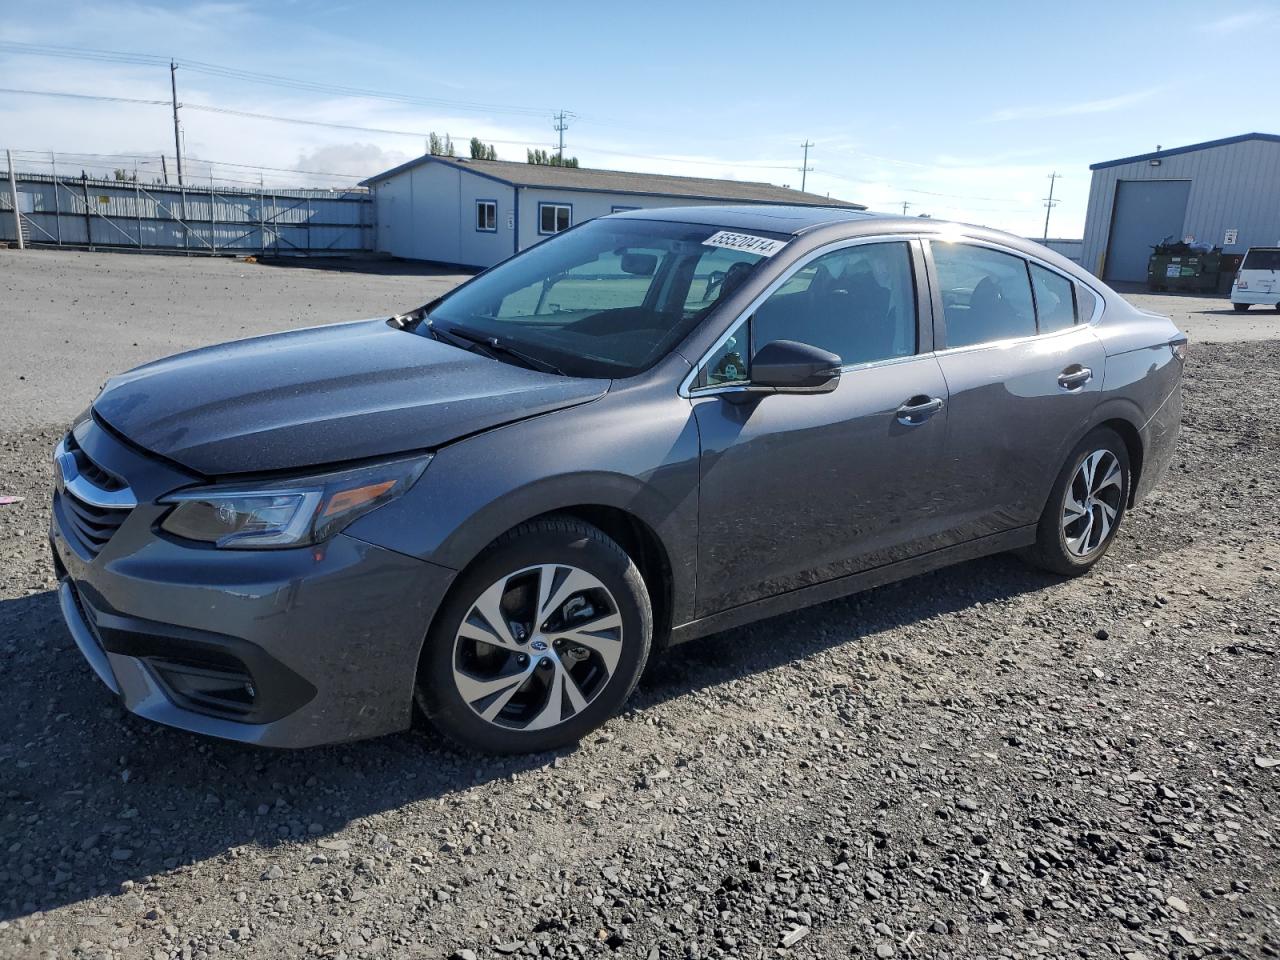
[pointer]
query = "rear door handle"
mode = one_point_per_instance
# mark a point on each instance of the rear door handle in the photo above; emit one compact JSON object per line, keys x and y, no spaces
{"x":1074,"y":377}
{"x":918,"y":409}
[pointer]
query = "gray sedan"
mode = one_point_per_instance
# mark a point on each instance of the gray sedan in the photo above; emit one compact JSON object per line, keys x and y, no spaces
{"x":493,"y":510}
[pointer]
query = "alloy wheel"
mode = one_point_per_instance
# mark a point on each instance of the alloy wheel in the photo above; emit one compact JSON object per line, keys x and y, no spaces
{"x":537,"y":647}
{"x":1092,"y":503}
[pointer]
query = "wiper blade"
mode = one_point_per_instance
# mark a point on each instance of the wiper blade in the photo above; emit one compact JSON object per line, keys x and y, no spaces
{"x":494,"y":345}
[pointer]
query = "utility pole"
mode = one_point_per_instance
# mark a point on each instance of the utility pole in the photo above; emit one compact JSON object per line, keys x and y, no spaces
{"x":1049,"y":203}
{"x":177,"y":142}
{"x":905,"y":204}
{"x":805,"y":169}
{"x":562,"y":124}
{"x":13,"y":198}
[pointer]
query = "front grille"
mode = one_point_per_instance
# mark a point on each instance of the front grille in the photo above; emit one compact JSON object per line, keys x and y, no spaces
{"x":92,"y":526}
{"x":91,"y":502}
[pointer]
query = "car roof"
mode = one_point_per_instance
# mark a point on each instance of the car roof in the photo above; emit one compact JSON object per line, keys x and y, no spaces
{"x":823,"y":224}
{"x":775,"y":218}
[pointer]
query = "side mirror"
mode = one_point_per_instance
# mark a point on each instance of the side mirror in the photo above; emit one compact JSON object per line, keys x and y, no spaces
{"x":786,"y":366}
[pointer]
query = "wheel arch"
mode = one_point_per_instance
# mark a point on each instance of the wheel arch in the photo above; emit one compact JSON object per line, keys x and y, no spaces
{"x":625,"y":510}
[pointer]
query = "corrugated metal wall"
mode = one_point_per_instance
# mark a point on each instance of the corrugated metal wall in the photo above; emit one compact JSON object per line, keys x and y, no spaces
{"x":149,"y":216}
{"x":1233,"y":186}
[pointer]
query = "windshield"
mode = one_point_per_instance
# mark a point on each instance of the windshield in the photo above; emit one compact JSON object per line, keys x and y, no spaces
{"x":1260,"y":258}
{"x":607,"y":299}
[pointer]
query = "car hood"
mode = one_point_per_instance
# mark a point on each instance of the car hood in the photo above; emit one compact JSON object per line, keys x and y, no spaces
{"x":323,"y":395}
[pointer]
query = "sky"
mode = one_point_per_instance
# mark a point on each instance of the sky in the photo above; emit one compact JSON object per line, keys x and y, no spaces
{"x":959,"y":110}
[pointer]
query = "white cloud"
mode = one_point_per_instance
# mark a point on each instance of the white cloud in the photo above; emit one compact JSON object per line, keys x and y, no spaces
{"x":1105,"y":105}
{"x":1235,"y":22}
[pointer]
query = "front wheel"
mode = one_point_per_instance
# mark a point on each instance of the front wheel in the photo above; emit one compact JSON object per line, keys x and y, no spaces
{"x":541,"y":640}
{"x":1086,"y":506}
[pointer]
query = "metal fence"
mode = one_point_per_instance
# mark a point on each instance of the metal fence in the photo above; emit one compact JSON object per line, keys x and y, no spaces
{"x":81,"y":211}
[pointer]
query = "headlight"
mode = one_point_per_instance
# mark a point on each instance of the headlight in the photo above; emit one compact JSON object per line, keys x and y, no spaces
{"x":287,"y":513}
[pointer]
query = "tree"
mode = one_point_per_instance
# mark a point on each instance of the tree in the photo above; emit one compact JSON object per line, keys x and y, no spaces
{"x":439,"y":146}
{"x":482,"y":151}
{"x":125,"y":175}
{"x":543,"y":158}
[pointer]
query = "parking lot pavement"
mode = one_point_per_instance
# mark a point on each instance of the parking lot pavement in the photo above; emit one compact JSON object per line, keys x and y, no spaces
{"x":1207,"y":319}
{"x":69,"y":320}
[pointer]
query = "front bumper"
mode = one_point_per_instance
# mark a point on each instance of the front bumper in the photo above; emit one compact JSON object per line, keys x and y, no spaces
{"x":285,"y":648}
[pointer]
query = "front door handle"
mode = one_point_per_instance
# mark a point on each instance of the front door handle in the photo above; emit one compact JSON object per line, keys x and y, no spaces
{"x":1074,"y":377}
{"x":918,"y":409}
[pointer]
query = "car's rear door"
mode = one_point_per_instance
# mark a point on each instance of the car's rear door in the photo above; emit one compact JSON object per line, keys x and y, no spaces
{"x":797,"y":489}
{"x":1023,"y":371}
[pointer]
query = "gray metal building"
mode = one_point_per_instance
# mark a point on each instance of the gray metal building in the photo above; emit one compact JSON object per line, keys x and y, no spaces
{"x":476,"y":213}
{"x":1223,"y":192}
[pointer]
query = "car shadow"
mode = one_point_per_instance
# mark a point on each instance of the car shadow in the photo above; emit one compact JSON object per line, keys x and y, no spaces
{"x":93,"y":796}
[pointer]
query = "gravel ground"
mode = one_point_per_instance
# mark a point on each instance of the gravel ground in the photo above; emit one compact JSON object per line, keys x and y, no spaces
{"x":69,"y":320}
{"x":981,"y":762}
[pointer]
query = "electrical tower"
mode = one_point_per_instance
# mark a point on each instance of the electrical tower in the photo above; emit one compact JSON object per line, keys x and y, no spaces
{"x":562,"y":124}
{"x":1050,"y":203}
{"x":805,"y":169}
{"x":177,"y":140}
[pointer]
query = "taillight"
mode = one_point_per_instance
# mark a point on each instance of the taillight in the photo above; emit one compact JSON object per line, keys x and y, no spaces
{"x":1242,"y":284}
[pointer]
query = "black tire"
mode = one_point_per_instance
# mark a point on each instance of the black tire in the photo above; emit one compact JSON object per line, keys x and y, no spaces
{"x":1242,"y":307}
{"x":554,"y":540}
{"x":1050,"y":550}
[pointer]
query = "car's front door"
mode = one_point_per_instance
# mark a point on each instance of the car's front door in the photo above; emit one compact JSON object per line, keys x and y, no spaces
{"x":1024,"y":373}
{"x":797,"y":489}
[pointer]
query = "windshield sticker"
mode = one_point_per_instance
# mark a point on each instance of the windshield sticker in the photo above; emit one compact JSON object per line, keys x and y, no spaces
{"x":761,"y":246}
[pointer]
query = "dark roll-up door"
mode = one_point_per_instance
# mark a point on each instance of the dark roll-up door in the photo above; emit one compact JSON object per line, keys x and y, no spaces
{"x":1145,"y":212}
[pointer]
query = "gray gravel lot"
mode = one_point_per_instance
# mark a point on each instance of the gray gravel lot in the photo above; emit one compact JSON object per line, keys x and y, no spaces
{"x":69,"y":320}
{"x":982,"y":762}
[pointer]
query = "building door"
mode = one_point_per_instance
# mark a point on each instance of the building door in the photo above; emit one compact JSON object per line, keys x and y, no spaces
{"x":1145,"y":212}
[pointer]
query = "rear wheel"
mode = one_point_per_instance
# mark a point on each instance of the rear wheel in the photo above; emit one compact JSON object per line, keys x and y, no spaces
{"x":1086,"y":506}
{"x":1242,"y":307}
{"x":540,"y":642}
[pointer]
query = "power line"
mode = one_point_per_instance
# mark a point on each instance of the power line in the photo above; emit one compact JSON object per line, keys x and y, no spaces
{"x":251,"y":76}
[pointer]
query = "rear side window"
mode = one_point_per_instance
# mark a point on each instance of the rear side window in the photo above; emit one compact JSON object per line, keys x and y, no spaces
{"x":1087,"y":300}
{"x":986,"y":294}
{"x":1261,"y":259}
{"x":1055,"y":304}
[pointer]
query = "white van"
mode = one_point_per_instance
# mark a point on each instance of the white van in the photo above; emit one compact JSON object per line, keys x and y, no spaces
{"x":1258,"y":280}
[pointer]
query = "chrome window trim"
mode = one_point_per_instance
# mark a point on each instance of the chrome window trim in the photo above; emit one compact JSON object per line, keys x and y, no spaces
{"x":689,"y":391}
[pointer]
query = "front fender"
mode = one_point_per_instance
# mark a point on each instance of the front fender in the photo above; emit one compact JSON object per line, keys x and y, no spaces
{"x":633,"y":450}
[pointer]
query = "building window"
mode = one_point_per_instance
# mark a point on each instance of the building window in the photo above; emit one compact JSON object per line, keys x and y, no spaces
{"x":487,"y":216}
{"x":554,"y":217}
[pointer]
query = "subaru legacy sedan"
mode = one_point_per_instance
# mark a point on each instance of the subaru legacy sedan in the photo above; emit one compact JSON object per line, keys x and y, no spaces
{"x":492,"y":510}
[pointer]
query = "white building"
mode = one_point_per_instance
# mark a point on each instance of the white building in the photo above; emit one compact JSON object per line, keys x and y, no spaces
{"x":475,"y":213}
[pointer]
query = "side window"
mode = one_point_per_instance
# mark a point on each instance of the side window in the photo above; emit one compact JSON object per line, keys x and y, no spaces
{"x":554,"y":217}
{"x":859,"y":302}
{"x":1088,"y":302}
{"x":1055,"y":304}
{"x":486,"y":216}
{"x":986,"y":295}
{"x":730,"y":363}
